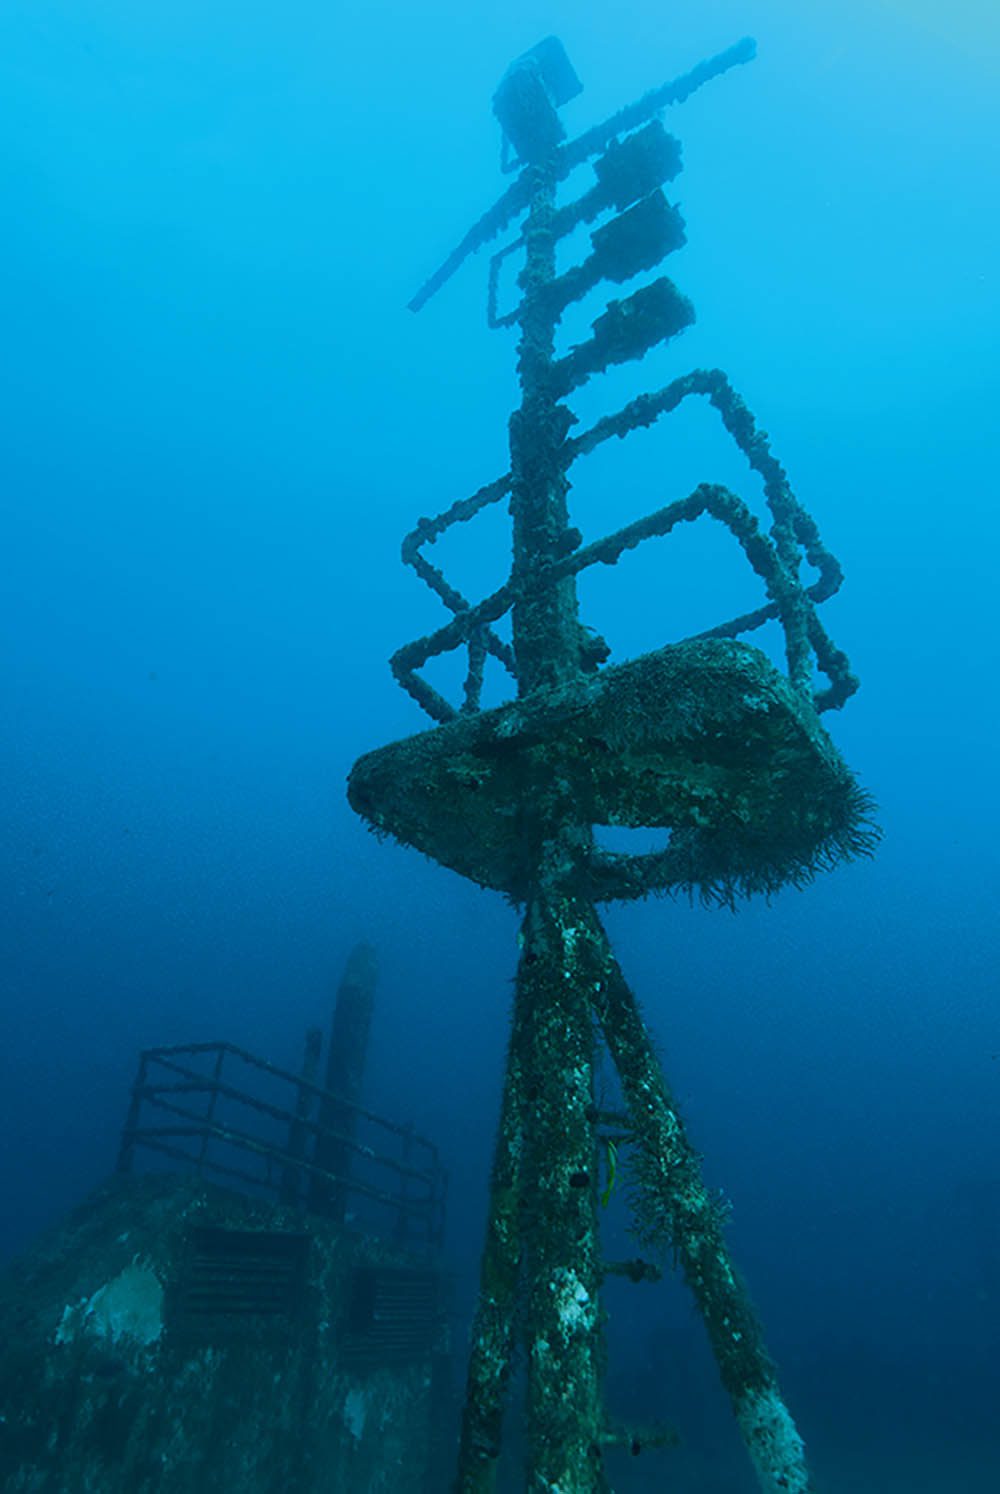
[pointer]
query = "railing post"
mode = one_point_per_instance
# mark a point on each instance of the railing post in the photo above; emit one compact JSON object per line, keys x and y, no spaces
{"x":440,"y":1215}
{"x":345,"y":1066}
{"x":210,"y":1110}
{"x":127,"y":1145}
{"x":297,"y":1130}
{"x":402,"y":1221}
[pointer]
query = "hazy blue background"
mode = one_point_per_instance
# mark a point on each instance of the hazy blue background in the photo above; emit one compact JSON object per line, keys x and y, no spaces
{"x":216,"y":423}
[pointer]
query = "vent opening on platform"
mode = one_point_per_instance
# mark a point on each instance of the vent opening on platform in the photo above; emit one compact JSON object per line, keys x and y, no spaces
{"x":239,"y":1282}
{"x":393,"y":1315}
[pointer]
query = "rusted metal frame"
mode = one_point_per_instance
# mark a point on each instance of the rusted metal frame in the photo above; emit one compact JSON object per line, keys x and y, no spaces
{"x":739,"y":422}
{"x":215,"y":1088}
{"x":562,"y":1315}
{"x":472,"y":690}
{"x":399,"y":1234}
{"x":545,"y":622}
{"x":430,"y":701}
{"x":834,"y":663}
{"x":158,"y":1055}
{"x":456,"y":602}
{"x":494,"y":1328}
{"x":791,"y":523}
{"x":596,"y":200}
{"x":795,"y":606}
{"x":567,"y":157}
{"x":411,"y":657}
{"x":298,"y":1130}
{"x":792,"y":526}
{"x":711,"y":498}
{"x":725,"y":506}
{"x":426,"y":532}
{"x":555,"y":1054}
{"x":510,"y":318}
{"x":243,"y":1141}
{"x":600,"y":136}
{"x":343,"y":1078}
{"x":126,"y":1145}
{"x":493,"y":222}
{"x":677,"y":1208}
{"x":577,"y":945}
{"x":657,"y":312}
{"x":405,"y":662}
{"x":830,"y":660}
{"x":152,"y":1141}
{"x":151,"y":1092}
{"x":440,"y":1210}
{"x":570,"y":287}
{"x":239,"y":1173}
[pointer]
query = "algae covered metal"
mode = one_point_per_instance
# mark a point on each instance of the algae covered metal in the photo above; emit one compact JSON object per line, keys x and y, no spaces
{"x":268,"y":1315}
{"x":704,"y":739}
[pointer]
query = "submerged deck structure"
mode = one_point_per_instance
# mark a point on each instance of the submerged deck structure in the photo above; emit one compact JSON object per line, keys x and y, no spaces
{"x":256,"y":1302}
{"x":705,"y":739}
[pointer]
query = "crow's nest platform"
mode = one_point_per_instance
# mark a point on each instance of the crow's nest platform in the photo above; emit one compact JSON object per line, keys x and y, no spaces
{"x":705,"y":740}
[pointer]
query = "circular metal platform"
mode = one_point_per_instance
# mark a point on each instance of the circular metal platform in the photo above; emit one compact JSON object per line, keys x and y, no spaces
{"x":705,"y":740}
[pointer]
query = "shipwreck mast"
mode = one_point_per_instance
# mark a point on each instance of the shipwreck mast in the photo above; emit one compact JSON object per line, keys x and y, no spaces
{"x":705,"y":738}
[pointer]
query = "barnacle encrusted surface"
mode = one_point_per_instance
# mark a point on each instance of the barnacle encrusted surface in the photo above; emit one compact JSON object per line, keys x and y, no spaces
{"x":704,"y":739}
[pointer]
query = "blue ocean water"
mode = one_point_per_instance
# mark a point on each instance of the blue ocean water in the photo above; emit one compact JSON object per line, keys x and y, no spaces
{"x":218,"y":420}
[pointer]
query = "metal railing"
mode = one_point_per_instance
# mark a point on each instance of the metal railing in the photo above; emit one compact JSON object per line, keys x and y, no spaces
{"x":390,"y":1178}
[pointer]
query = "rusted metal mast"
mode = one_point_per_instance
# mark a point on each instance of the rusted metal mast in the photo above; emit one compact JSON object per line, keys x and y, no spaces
{"x":705,"y":738}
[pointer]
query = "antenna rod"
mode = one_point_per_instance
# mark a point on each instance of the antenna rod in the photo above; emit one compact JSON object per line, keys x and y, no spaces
{"x":651,"y":103}
{"x":518,"y":195}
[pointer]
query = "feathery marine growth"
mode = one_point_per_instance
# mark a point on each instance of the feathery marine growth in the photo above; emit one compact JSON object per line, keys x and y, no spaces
{"x":704,"y":740}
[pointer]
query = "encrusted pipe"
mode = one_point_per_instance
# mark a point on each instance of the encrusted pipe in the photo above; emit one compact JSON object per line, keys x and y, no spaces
{"x":675,"y":1207}
{"x":562,"y":1328}
{"x":345,"y":1067}
{"x":494,"y":1326}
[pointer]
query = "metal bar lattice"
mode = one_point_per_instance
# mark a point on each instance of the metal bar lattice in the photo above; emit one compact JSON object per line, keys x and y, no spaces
{"x":704,"y":738}
{"x":419,"y":1194}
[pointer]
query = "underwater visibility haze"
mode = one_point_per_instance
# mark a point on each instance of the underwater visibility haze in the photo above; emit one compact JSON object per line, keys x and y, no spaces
{"x":221,"y":420}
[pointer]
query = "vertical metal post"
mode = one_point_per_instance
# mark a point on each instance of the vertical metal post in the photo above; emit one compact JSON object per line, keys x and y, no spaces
{"x":676,"y":1205}
{"x":401,"y":1228}
{"x":126,"y":1148}
{"x":439,"y":1208}
{"x":546,"y":629}
{"x":491,"y":1354}
{"x":559,"y":1199}
{"x":345,"y":1067}
{"x":555,"y":1036}
{"x":541,"y":1268}
{"x":290,"y":1177}
{"x":213,"y":1099}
